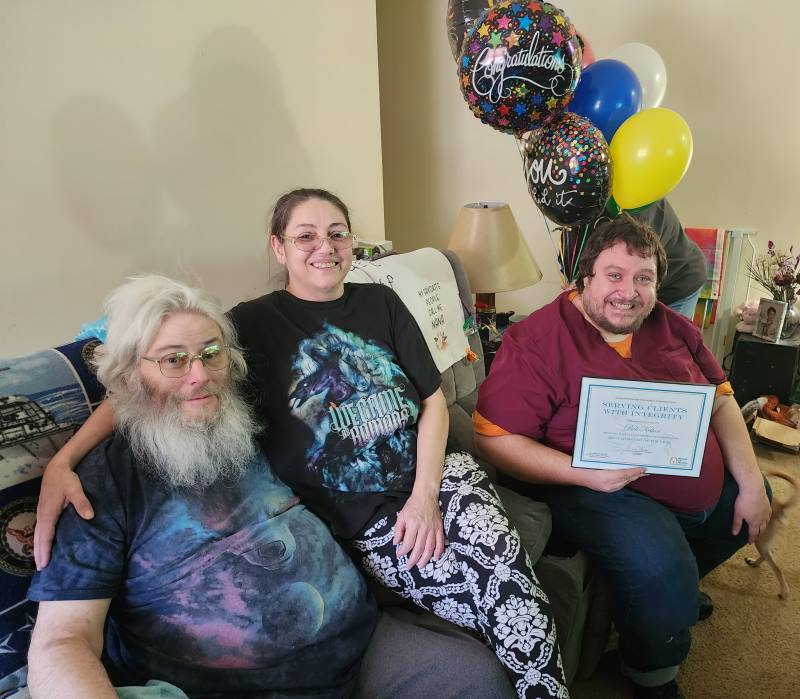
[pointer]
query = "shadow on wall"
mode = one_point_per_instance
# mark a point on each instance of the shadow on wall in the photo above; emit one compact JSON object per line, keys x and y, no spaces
{"x":108,"y":175}
{"x":190,"y":196}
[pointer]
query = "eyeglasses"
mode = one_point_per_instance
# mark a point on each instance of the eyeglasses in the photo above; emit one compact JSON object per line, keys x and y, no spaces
{"x":309,"y":242}
{"x":177,"y":364}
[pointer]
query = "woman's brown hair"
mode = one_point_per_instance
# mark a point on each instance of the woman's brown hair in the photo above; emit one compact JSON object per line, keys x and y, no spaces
{"x":282,"y":211}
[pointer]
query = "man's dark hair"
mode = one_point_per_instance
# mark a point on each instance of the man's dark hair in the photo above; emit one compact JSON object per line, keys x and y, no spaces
{"x":638,"y":237}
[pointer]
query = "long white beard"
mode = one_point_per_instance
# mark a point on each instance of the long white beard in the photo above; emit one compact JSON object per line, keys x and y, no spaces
{"x":187,"y":453}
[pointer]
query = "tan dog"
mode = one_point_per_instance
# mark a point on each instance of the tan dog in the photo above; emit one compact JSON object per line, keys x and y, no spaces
{"x":776,"y":524}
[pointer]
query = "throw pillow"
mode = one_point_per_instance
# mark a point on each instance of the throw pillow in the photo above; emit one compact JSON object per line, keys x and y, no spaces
{"x":44,"y":398}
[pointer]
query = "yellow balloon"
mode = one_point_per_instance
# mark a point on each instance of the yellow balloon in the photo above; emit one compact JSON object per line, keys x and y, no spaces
{"x":650,"y":153}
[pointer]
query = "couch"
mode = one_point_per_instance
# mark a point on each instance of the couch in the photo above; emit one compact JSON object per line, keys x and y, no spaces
{"x":45,"y":396}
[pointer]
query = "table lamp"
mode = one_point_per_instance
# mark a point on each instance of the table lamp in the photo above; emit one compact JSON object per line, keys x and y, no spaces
{"x":495,"y":256}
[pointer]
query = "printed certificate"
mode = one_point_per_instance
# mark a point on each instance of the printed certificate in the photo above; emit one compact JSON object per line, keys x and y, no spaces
{"x":661,"y":426}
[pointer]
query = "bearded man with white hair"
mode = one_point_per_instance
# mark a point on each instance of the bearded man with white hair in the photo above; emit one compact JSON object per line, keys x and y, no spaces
{"x":199,"y":568}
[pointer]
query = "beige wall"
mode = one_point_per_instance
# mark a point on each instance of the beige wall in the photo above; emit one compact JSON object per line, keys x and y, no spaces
{"x":732,"y":74}
{"x":153,"y":135}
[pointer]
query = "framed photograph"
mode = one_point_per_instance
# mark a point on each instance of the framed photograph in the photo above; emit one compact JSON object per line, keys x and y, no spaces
{"x":770,"y":319}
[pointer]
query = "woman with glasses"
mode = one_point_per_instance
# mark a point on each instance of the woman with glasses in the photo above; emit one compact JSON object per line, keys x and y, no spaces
{"x":356,"y":425}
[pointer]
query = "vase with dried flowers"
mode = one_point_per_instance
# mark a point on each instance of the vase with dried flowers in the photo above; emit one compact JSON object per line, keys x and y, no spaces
{"x":778,"y":273}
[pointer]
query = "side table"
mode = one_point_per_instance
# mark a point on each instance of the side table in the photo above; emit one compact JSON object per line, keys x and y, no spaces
{"x":762,"y":368}
{"x":491,"y":344}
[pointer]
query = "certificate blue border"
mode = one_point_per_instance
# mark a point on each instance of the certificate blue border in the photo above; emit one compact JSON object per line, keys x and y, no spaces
{"x":705,"y":392}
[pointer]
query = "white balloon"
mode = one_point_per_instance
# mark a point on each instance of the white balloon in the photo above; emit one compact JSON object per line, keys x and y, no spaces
{"x":649,"y":68}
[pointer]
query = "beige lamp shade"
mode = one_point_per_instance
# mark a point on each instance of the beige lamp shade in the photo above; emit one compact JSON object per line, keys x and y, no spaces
{"x":495,"y":256}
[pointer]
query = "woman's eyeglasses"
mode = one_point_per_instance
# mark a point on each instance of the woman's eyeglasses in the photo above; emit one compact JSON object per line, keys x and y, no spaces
{"x":309,"y":242}
{"x":177,"y":364}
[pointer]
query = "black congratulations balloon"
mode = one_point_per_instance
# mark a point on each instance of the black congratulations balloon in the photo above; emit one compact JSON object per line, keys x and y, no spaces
{"x":568,"y":169}
{"x":519,"y":65}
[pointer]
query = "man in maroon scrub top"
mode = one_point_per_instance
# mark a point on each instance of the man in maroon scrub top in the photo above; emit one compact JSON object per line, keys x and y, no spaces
{"x":653,"y":536}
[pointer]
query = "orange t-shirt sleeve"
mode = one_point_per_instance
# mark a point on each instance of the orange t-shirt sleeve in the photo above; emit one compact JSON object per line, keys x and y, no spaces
{"x":488,"y":429}
{"x":724,"y":389}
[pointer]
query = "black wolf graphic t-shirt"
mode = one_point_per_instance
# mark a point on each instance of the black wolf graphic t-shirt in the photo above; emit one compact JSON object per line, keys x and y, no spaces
{"x":338,"y":386}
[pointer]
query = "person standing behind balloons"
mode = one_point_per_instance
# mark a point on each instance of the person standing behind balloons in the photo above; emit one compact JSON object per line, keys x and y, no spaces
{"x":686,"y":264}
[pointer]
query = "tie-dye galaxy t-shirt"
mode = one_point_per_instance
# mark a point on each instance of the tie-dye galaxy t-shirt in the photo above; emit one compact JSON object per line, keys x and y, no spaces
{"x":339,"y":385}
{"x":235,"y":590}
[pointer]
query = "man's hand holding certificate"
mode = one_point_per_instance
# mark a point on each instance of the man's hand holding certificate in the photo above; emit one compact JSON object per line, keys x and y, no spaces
{"x":659,"y":426}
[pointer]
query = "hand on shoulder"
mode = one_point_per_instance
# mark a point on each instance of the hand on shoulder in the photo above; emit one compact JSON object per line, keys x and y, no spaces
{"x":61,"y":487}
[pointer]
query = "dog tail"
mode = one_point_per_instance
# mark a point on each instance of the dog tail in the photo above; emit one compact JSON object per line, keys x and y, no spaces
{"x":791,"y":480}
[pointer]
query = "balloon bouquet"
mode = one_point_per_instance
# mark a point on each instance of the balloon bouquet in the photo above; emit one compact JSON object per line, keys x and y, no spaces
{"x":591,"y":134}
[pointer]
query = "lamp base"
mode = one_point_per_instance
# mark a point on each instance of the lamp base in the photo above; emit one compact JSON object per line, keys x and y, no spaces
{"x":486,"y":316}
{"x":485,"y":302}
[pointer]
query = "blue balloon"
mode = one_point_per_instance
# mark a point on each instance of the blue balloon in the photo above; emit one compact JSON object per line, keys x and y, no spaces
{"x":607,"y":94}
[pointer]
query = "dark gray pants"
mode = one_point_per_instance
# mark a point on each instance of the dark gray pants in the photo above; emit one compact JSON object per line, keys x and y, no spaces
{"x":415,"y":655}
